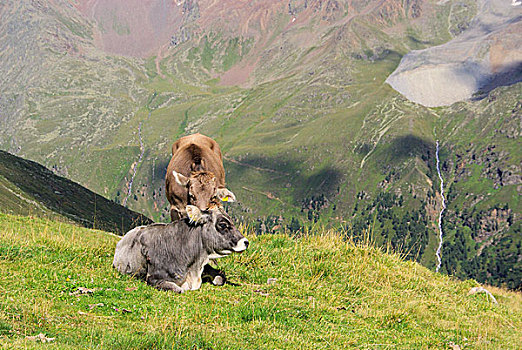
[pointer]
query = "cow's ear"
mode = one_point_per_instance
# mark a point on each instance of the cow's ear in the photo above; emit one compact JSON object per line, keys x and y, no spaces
{"x":195,"y":215}
{"x":225,"y":195}
{"x":180,"y":178}
{"x":175,"y":147}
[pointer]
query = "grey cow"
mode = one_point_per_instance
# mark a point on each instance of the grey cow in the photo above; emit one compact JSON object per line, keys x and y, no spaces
{"x":172,"y":256}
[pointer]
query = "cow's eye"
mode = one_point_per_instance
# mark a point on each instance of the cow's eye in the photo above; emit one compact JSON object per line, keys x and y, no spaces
{"x":222,"y":226}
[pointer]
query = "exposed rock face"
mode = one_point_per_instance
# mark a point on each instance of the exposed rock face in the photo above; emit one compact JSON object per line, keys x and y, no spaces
{"x":493,"y":222}
{"x":486,"y":55}
{"x":133,"y":27}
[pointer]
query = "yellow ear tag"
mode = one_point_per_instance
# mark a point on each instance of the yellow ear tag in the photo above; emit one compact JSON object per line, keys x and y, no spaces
{"x":225,"y":199}
{"x":191,"y":216}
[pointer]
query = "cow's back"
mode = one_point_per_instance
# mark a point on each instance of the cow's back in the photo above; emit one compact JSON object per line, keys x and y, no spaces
{"x":198,"y":139}
{"x":197,"y":152}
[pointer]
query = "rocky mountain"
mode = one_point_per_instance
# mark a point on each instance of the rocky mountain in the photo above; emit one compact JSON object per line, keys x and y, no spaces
{"x":294,"y":92}
{"x":485,"y":53}
{"x":27,"y":188}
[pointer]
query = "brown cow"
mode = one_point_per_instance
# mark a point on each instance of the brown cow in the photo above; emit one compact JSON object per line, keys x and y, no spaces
{"x":195,"y":175}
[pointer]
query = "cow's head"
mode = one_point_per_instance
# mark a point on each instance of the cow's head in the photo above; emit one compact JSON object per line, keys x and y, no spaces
{"x":203,"y":191}
{"x":220,"y":236}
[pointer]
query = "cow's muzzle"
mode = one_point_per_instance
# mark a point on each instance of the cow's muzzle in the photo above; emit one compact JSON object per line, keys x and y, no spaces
{"x":241,"y":245}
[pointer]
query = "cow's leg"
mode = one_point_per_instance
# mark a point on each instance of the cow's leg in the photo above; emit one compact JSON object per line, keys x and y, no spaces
{"x":169,"y":286}
{"x":215,"y":277}
{"x":156,"y":278}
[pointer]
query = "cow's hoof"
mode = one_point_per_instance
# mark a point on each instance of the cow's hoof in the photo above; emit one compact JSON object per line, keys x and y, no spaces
{"x":219,"y":280}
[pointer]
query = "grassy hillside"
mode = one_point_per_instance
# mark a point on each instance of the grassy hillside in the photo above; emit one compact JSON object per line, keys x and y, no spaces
{"x":27,"y":188}
{"x":329,"y":294}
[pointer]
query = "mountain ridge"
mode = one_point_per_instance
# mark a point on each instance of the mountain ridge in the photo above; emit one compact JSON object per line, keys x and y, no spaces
{"x":30,"y":189}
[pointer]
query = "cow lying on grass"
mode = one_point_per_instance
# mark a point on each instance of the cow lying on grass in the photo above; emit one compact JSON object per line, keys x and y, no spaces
{"x":173,"y":256}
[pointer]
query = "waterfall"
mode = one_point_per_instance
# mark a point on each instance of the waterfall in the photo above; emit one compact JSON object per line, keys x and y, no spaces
{"x":439,"y":249}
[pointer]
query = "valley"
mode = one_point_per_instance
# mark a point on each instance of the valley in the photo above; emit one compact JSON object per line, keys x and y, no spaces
{"x":295,"y":93}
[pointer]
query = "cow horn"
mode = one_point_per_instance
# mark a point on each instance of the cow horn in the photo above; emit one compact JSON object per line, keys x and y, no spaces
{"x":195,"y":215}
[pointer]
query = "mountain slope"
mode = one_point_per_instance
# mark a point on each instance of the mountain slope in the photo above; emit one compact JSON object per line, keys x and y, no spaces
{"x":294,"y":93}
{"x":483,"y":175}
{"x":328,"y":293}
{"x":27,"y":188}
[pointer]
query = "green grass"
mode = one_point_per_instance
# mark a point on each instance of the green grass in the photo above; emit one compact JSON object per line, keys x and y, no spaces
{"x":329,"y":294}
